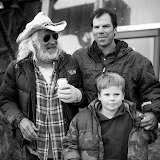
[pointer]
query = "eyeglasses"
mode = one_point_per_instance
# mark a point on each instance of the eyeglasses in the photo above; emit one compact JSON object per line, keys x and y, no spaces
{"x":47,"y":37}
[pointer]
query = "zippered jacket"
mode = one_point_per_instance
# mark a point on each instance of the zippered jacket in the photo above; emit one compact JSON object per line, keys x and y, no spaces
{"x":84,"y":140}
{"x":18,"y":91}
{"x":141,"y":83}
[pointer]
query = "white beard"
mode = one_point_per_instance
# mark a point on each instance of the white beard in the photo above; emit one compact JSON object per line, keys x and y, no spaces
{"x":47,"y":55}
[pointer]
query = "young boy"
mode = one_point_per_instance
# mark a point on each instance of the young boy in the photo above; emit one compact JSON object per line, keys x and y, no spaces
{"x":108,"y":129}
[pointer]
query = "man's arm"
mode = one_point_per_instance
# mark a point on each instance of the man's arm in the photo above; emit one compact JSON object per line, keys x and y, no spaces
{"x":8,"y":96}
{"x":149,"y":121}
{"x":150,"y":92}
{"x":71,"y":93}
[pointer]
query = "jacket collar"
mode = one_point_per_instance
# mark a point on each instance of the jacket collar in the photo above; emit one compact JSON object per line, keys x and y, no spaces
{"x":63,"y":59}
{"x":28,"y":67}
{"x":95,"y":53}
{"x":128,"y":106}
{"x":28,"y":61}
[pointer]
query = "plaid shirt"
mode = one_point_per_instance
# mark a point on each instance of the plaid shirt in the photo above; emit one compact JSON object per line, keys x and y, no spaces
{"x":49,"y":118}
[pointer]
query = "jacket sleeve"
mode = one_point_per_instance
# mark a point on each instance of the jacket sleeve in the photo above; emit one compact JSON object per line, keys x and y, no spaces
{"x":149,"y":135}
{"x":150,"y":89}
{"x":8,"y":95}
{"x":70,"y":142}
{"x":84,"y":101}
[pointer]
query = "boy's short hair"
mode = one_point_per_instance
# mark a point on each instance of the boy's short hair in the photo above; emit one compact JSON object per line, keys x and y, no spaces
{"x":109,"y":79}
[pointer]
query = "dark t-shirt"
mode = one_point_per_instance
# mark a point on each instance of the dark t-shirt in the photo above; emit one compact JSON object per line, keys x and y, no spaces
{"x":115,"y":133}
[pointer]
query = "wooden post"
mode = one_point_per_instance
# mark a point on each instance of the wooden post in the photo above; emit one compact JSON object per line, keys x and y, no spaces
{"x":98,"y":4}
{"x":47,"y":6}
{"x":6,"y":38}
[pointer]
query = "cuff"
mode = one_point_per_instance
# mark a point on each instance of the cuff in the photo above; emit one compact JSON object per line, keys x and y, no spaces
{"x":79,"y":96}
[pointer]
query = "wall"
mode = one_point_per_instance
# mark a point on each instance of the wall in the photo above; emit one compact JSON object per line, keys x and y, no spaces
{"x":144,"y":11}
{"x":139,"y":12}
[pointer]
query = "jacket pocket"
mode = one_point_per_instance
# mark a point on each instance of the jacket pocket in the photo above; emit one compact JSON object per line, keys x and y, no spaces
{"x":89,"y":155}
{"x":88,"y":141}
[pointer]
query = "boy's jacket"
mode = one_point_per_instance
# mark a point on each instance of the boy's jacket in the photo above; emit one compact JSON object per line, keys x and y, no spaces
{"x":84,"y":140}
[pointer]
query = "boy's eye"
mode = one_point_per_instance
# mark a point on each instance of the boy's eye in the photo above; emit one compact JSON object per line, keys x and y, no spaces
{"x":106,"y":26}
{"x":95,"y":27}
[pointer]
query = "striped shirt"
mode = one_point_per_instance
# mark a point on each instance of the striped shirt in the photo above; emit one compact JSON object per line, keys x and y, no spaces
{"x":49,"y":118}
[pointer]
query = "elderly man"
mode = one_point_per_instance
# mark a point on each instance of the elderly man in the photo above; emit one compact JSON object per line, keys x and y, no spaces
{"x":38,"y":109}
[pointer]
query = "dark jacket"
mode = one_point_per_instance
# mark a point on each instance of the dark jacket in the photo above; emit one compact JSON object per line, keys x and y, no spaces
{"x":141,"y":83}
{"x":84,"y":141}
{"x":18,"y":90}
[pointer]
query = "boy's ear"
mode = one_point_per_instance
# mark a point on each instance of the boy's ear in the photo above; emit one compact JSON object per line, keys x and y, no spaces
{"x":99,"y":96}
{"x":123,"y":95}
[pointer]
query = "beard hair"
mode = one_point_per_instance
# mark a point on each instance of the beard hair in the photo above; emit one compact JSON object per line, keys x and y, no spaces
{"x":47,"y":56}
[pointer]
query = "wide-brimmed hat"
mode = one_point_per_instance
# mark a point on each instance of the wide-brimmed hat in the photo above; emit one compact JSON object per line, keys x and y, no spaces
{"x":40,"y":21}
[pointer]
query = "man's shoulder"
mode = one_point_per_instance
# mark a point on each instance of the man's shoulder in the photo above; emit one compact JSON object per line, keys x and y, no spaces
{"x":81,"y":51}
{"x":82,"y":54}
{"x":138,"y":56}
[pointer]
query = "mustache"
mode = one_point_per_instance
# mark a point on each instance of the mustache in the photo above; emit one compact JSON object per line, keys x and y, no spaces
{"x":49,"y":46}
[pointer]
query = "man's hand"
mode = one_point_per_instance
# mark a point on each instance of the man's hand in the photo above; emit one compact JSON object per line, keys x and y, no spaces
{"x":149,"y":121}
{"x":69,"y":94}
{"x":28,"y":129}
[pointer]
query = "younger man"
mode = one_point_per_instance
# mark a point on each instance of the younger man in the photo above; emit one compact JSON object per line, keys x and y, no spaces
{"x":108,"y":128}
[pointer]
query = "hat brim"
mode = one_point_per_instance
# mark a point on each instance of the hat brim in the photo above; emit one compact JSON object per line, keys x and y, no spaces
{"x":57,"y":27}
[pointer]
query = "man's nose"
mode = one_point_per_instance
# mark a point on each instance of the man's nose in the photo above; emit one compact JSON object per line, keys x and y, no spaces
{"x":52,"y":40}
{"x":101,"y":30}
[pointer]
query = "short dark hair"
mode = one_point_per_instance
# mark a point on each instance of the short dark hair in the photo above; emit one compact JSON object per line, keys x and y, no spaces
{"x":100,"y":11}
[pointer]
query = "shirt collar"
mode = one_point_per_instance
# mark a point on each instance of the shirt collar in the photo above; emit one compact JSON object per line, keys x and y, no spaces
{"x":96,"y":54}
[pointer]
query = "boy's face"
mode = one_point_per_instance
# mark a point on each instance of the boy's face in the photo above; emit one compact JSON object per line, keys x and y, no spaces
{"x":111,"y":98}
